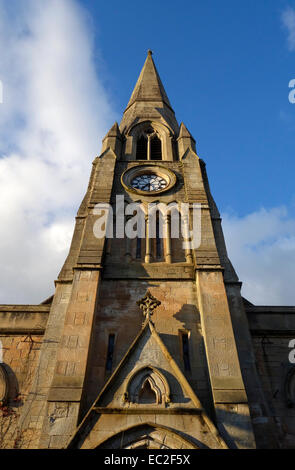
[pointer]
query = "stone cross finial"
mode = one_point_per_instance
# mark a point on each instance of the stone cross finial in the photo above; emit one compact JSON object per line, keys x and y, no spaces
{"x":148,"y":304}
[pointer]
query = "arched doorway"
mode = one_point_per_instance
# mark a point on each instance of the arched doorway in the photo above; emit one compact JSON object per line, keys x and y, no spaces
{"x":147,"y":436}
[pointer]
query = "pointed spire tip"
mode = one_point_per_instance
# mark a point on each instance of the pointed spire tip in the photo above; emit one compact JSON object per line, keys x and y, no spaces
{"x":149,"y":86}
{"x":150,"y":52}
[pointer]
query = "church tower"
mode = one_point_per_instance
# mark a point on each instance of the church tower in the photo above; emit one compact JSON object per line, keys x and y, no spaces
{"x":147,"y":343}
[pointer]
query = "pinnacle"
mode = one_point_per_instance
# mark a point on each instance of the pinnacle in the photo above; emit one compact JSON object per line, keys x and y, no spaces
{"x":114,"y":131}
{"x":184,"y":132}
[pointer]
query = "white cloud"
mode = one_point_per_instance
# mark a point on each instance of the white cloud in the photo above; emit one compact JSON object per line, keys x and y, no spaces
{"x":261,"y":246}
{"x":288,"y":19}
{"x":54,"y":114}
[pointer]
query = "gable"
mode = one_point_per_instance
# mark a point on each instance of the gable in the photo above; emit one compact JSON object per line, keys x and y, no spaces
{"x":147,"y":386}
{"x":147,"y":355}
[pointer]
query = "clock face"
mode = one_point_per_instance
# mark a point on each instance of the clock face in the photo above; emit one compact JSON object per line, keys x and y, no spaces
{"x":149,"y":182}
{"x":148,"y":179}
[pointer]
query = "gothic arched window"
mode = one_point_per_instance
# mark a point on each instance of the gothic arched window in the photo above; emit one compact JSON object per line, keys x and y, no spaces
{"x":147,"y":386}
{"x":149,"y":146}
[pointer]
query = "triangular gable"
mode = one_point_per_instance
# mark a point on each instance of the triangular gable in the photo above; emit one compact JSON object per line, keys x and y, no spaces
{"x":146,"y":353}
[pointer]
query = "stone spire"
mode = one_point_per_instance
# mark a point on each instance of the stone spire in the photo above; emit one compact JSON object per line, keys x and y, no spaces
{"x":149,"y":99}
{"x":149,"y":86}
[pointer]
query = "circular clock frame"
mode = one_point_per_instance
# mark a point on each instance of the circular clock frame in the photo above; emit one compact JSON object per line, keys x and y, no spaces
{"x":141,"y":170}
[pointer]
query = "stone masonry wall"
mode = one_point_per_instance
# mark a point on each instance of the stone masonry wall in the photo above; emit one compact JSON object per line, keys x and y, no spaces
{"x":119,"y":314}
{"x":273,"y":367}
{"x":20,"y":360}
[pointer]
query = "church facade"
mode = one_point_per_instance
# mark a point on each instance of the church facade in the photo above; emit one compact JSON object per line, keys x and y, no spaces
{"x":147,"y":341}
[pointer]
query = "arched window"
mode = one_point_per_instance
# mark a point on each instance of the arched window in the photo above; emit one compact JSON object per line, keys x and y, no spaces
{"x":156,"y":148}
{"x":141,"y":149}
{"x":149,"y":146}
{"x":147,"y":385}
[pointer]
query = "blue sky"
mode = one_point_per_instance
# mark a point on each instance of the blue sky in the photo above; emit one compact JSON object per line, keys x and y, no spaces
{"x":226,"y":67}
{"x":68,"y":68}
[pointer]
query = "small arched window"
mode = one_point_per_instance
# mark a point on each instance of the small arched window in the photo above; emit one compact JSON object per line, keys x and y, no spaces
{"x":147,"y":385}
{"x":142,"y":148}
